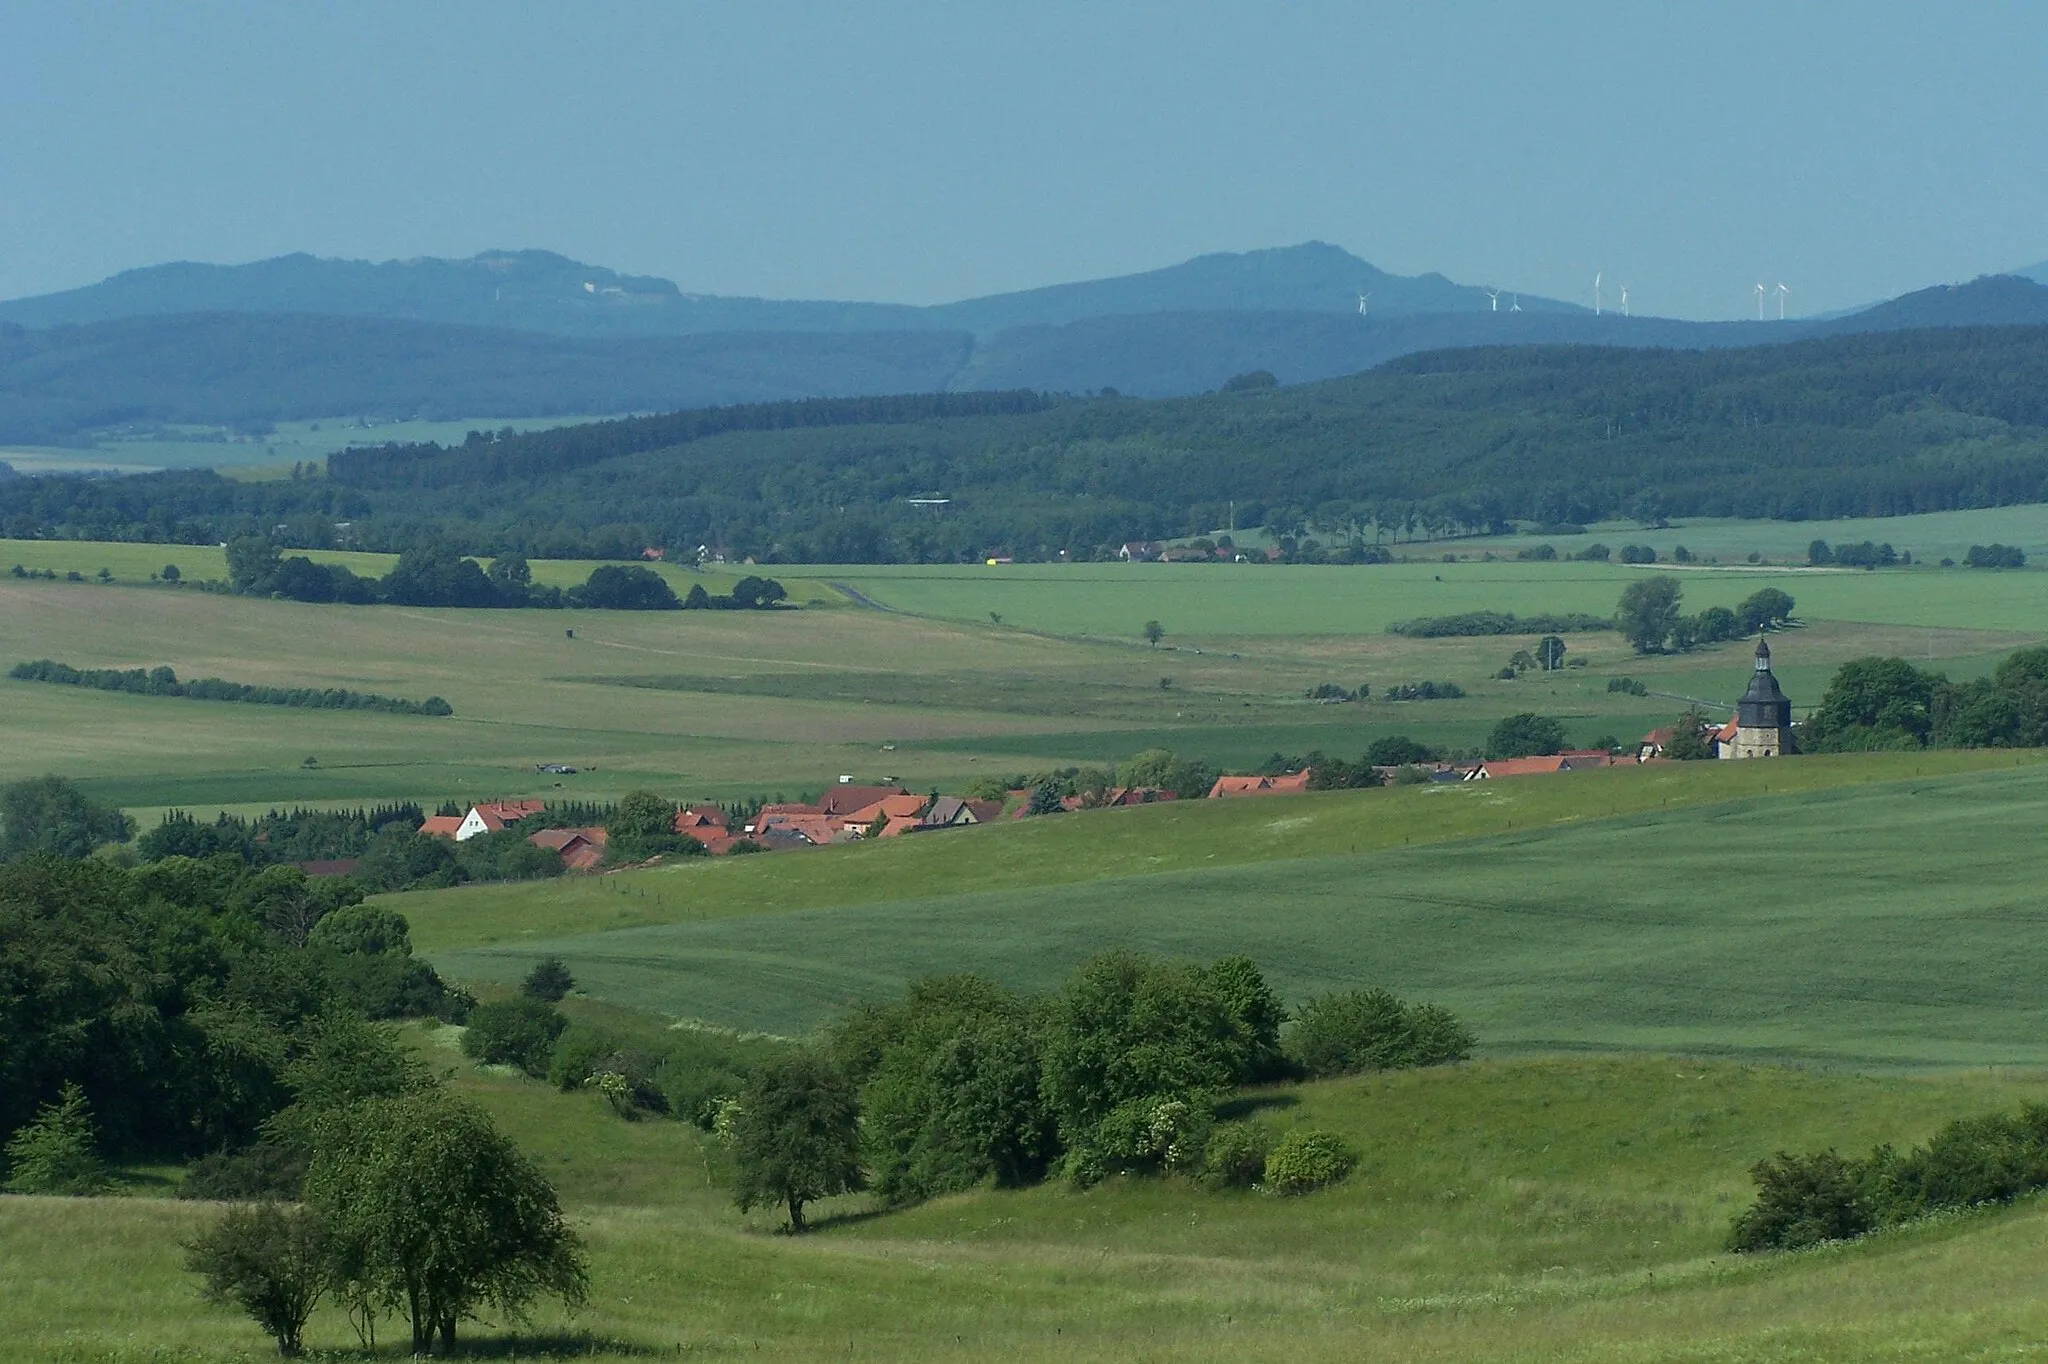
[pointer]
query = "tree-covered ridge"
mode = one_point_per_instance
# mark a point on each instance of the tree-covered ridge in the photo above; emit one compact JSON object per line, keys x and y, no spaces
{"x":1870,"y":425}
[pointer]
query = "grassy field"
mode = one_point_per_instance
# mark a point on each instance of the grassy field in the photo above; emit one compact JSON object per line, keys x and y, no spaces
{"x":1931,"y":536}
{"x":1548,"y":1209}
{"x":1888,"y":923}
{"x":717,"y":705}
{"x":1200,"y":604}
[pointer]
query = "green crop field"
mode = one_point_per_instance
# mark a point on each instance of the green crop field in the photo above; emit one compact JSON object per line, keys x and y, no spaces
{"x":1200,"y":604}
{"x":1892,"y":923}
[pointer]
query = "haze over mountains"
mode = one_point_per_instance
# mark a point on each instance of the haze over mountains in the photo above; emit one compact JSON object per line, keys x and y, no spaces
{"x":533,"y":334}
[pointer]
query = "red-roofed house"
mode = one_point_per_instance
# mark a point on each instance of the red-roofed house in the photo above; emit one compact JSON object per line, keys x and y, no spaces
{"x":1285,"y":784}
{"x":707,"y":824}
{"x":844,"y":800}
{"x":897,"y":810}
{"x":1137,"y":795}
{"x":441,"y":826}
{"x":580,"y":849}
{"x":1525,"y":767}
{"x":494,"y":815}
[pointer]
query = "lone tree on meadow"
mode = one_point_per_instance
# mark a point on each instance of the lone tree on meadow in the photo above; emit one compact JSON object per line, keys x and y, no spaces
{"x":1648,"y":613}
{"x":432,"y":1211}
{"x":1154,"y":632}
{"x":1550,"y":653}
{"x":1765,"y":610}
{"x":796,"y":1136}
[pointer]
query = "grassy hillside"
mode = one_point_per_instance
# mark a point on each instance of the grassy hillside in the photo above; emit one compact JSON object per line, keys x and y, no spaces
{"x":1881,"y":923}
{"x":1504,"y":1211}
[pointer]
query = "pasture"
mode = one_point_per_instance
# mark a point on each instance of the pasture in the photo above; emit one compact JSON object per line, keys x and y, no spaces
{"x":1503,"y":1211}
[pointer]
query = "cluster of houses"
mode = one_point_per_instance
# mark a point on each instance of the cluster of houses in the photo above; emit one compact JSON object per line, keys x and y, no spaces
{"x":847,"y":812}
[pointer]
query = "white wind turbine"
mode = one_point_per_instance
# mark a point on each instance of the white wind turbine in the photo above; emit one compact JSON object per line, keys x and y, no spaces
{"x":1494,"y":294}
{"x":1596,"y":293}
{"x":1760,"y":292}
{"x":1624,"y":300}
{"x":1361,"y":304}
{"x":1782,"y":291}
{"x":1515,"y":304}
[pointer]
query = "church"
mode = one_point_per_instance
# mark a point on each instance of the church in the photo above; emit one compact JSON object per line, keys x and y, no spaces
{"x":1762,"y":727}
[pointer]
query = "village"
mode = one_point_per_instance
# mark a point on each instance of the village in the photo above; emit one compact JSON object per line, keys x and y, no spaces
{"x":851,"y":812}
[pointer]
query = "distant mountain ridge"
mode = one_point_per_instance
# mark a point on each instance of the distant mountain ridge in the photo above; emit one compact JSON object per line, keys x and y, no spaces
{"x":544,"y":292}
{"x":296,"y":350}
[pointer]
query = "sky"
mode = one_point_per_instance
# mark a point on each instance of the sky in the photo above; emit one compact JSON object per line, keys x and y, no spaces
{"x":926,"y":152}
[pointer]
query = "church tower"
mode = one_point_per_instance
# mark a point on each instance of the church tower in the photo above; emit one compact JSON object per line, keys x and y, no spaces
{"x":1763,"y":718}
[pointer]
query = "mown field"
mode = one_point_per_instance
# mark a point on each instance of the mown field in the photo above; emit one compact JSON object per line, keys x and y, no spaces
{"x":1550,"y":1209}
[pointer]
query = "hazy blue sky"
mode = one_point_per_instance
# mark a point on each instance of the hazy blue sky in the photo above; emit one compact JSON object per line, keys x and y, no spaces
{"x":922,"y":152}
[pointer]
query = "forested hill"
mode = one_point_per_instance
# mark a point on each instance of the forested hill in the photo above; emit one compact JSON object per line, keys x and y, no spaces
{"x":1879,"y":424}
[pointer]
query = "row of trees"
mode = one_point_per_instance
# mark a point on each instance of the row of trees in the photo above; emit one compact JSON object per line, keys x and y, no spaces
{"x":1648,"y":617}
{"x":162,"y":681}
{"x":434,"y":573}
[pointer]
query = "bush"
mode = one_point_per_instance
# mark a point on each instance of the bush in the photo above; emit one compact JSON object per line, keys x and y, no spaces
{"x":267,"y":1170}
{"x":270,"y":1262}
{"x":1802,"y":1201}
{"x":1235,"y":1157}
{"x":55,"y":1153}
{"x":514,"y":1032}
{"x":549,"y":980}
{"x":1155,"y":1135}
{"x":1995,"y":556}
{"x":1305,"y":1160}
{"x":1360,"y":1030}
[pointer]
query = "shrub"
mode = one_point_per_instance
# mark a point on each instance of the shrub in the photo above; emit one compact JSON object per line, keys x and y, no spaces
{"x":1995,"y":556}
{"x":580,"y":1052}
{"x":267,"y":1170}
{"x":514,"y":1032}
{"x":1305,"y":1160}
{"x":1235,"y":1157}
{"x":549,"y":980}
{"x":1360,"y":1030}
{"x":1802,"y":1201}
{"x":1154,"y":1135}
{"x":270,"y":1262}
{"x":55,"y":1153}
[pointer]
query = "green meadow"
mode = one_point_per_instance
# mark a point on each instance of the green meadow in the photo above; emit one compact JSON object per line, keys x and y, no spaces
{"x":1503,"y":1211}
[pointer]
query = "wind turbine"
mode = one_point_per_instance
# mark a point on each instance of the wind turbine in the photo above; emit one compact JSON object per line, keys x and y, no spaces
{"x":1782,"y":291}
{"x":1515,"y":304}
{"x":1494,"y":294}
{"x":1596,"y":293}
{"x":1624,"y":300}
{"x":1760,"y":291}
{"x":1363,"y":297}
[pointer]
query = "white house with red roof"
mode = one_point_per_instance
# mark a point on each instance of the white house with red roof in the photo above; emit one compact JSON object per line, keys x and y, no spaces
{"x":491,"y":816}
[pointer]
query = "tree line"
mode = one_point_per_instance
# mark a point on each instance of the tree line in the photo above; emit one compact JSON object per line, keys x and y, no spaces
{"x":1464,"y":442}
{"x":433,"y":573}
{"x":163,"y":681}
